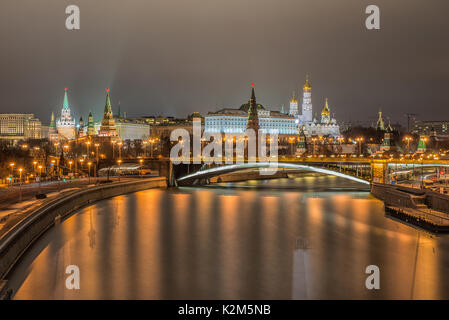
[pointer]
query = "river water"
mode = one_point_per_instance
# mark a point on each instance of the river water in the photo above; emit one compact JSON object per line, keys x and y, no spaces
{"x":301,"y":238}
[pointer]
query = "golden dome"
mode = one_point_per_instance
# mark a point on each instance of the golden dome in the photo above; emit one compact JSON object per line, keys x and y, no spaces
{"x":326,"y":111}
{"x":293,"y":99}
{"x":307,"y":86}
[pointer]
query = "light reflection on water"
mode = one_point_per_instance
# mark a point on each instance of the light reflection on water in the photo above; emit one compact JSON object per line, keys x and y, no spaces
{"x":236,"y":243}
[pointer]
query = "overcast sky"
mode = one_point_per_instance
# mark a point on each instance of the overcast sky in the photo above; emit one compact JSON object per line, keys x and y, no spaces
{"x":174,"y":57}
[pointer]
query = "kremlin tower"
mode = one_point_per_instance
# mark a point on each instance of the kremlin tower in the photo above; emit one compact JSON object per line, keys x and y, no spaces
{"x":65,"y":124}
{"x":307,"y":102}
{"x":107,"y":128}
{"x":293,"y":106}
{"x":81,"y":132}
{"x":253,"y":122}
{"x":90,"y":125}
{"x":52,"y":133}
{"x":253,"y":117}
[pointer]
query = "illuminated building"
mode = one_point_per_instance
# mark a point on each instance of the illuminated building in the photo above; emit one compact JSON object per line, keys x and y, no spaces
{"x":230,"y":120}
{"x":81,"y":132}
{"x":293,"y":111}
{"x":90,"y":125}
{"x":440,"y":127}
{"x":380,"y":126}
{"x":327,"y":126}
{"x":302,"y":143}
{"x":387,"y":143}
{"x":52,"y":131}
{"x":107,"y":127}
{"x":65,"y":125}
{"x":306,"y":116}
{"x":122,"y":127}
{"x":19,"y":126}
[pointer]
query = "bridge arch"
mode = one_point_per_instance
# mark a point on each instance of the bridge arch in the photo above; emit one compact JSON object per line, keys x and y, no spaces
{"x":212,"y":172}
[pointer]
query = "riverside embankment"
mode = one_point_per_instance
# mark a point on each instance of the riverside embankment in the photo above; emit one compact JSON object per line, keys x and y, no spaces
{"x":19,"y":238}
{"x":424,"y":208}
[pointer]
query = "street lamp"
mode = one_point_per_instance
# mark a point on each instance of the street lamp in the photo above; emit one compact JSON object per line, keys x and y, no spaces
{"x":119,"y":161}
{"x":360,"y":140}
{"x":40,"y":177}
{"x":145,"y":148}
{"x":12,"y":164}
{"x":89,"y":164}
{"x":120,"y":149}
{"x":96,"y":147}
{"x":141,"y":161}
{"x":408,"y":139}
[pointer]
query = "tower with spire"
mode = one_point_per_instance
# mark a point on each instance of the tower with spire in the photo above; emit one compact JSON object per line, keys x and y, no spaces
{"x":293,"y":105}
{"x":387,"y":143}
{"x":52,"y":132}
{"x":380,"y":126}
{"x":81,"y":132}
{"x":107,"y":128}
{"x":302,"y":143}
{"x":90,"y":125}
{"x":253,"y":117}
{"x":253,"y":120}
{"x":65,"y":125}
{"x":307,"y":102}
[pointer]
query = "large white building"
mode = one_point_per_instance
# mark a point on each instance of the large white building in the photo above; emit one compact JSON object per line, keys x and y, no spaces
{"x":19,"y":126}
{"x":129,"y":129}
{"x":230,"y":120}
{"x":326,"y":126}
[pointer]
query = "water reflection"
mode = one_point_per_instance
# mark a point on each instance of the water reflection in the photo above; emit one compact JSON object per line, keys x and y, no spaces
{"x":295,"y":241}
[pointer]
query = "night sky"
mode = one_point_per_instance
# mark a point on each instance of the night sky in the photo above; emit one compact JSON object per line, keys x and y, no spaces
{"x":174,"y":57}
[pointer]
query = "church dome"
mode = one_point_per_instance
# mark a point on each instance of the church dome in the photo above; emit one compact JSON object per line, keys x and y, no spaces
{"x":326,"y":111}
{"x":307,"y":86}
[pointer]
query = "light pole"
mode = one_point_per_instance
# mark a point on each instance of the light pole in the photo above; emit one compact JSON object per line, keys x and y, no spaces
{"x":20,"y":184}
{"x":290,"y":140}
{"x":40,"y":178}
{"x":408,"y":139}
{"x":119,"y":161}
{"x":12,"y":164}
{"x":151,"y":150}
{"x":145,"y":148}
{"x":120,"y":149}
{"x":89,"y":164}
{"x":87,"y":146}
{"x":96,"y":146}
{"x":313,"y":149}
{"x":360,"y":140}
{"x":141,"y":161}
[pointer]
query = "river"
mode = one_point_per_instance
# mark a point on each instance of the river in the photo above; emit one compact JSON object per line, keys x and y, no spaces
{"x":301,"y":238}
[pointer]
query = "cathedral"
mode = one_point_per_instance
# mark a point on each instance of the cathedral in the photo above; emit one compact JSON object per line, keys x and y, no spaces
{"x":326,"y":126}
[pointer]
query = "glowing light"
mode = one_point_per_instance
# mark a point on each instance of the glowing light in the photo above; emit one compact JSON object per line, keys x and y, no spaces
{"x":233,"y":167}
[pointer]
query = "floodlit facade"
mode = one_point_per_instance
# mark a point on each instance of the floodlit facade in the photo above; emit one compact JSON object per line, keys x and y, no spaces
{"x":229,"y":120}
{"x":19,"y":126}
